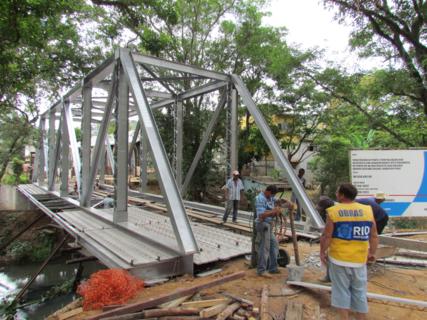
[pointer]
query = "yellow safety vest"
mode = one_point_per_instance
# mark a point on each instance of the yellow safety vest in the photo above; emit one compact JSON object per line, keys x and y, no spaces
{"x":352,"y":229}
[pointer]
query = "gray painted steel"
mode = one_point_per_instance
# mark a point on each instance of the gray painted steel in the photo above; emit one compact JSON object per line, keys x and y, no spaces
{"x":121,"y":150}
{"x":277,"y":152}
{"x":86,"y":143}
{"x":203,"y":143}
{"x":182,"y":228}
{"x":102,"y":133}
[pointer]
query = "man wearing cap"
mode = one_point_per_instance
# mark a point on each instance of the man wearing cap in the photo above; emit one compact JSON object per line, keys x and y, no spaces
{"x":233,"y":189}
{"x":380,"y":216}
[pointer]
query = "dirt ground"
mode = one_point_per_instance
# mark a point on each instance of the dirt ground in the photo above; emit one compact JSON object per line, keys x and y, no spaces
{"x":387,"y":280}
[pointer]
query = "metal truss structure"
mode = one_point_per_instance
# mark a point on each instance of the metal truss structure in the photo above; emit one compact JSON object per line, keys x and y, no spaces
{"x":129,"y":86}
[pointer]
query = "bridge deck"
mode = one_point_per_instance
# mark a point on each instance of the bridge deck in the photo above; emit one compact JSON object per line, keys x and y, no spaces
{"x":145,"y":244}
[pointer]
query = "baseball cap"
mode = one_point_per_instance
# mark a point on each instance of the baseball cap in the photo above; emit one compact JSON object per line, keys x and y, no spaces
{"x":380,"y":195}
{"x":235,"y":173}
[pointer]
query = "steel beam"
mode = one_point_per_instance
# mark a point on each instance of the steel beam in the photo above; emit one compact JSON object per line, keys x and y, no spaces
{"x":203,"y":143}
{"x":179,"y":142}
{"x":164,"y":84}
{"x":65,"y":154}
{"x":56,"y":152}
{"x":101,"y":164}
{"x":191,"y":93}
{"x":110,"y":154}
{"x":73,"y":143}
{"x":143,"y":161}
{"x":277,"y":152}
{"x":122,"y":131}
{"x":86,"y":196}
{"x":181,"y":226}
{"x":179,"y":67}
{"x":133,"y":143}
{"x":234,"y":146}
{"x":86,"y":143}
{"x":41,"y":163}
{"x":51,"y":149}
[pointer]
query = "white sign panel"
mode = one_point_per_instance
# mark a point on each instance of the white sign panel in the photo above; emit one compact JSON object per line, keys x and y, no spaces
{"x":400,"y":174}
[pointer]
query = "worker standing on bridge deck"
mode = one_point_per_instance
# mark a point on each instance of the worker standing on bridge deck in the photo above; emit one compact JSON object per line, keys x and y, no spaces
{"x":233,"y":192}
{"x":349,"y":240}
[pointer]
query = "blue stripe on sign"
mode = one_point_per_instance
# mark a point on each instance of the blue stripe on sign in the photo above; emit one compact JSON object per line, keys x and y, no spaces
{"x":420,"y":197}
{"x":395,"y":209}
{"x":352,"y":230}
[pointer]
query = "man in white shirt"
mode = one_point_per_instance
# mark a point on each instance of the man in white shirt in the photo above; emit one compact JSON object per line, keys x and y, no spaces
{"x":233,"y":189}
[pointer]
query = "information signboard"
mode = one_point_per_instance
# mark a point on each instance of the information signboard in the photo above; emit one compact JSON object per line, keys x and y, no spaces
{"x":400,"y":174}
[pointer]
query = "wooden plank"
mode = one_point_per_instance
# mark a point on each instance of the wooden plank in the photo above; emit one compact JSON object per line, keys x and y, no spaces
{"x":205,"y":303}
{"x":175,"y":303}
{"x":409,"y":244}
{"x":227,"y":312}
{"x":239,"y":299}
{"x":264,"y":312}
{"x":152,"y":302}
{"x":294,"y":310}
{"x":213,"y":311}
{"x":70,"y":314}
{"x":373,"y":296}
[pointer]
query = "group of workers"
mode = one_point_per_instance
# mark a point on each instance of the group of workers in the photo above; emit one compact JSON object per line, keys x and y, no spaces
{"x":349,"y":240}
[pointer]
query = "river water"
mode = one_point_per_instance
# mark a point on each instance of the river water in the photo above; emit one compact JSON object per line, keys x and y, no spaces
{"x":14,"y":277}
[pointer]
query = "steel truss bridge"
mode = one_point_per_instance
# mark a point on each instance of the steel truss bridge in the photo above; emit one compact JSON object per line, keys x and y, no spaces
{"x":130,"y":86}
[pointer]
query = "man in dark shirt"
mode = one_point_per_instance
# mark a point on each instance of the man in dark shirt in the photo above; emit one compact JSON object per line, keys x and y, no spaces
{"x":381,"y":217}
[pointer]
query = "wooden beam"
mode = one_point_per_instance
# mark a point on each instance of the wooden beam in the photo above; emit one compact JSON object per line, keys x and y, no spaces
{"x":227,"y":312}
{"x":43,"y":265}
{"x":373,"y":296}
{"x":213,"y":311}
{"x":264,"y":314}
{"x":150,"y":303}
{"x":205,"y":303}
{"x":294,"y":310}
{"x":239,"y":299}
{"x":69,"y":314}
{"x":175,"y":303}
{"x":409,"y":244}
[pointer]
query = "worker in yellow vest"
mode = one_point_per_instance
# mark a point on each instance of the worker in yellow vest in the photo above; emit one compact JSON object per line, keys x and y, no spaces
{"x":349,"y":240}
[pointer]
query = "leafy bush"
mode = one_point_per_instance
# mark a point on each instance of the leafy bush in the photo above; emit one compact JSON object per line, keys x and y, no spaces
{"x":20,"y":250}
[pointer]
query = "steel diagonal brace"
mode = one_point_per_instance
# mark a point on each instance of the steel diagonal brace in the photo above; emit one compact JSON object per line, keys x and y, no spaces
{"x":100,"y":140}
{"x":277,"y":152}
{"x":73,"y":142}
{"x":203,"y":143}
{"x":55,"y":157}
{"x":181,"y":226}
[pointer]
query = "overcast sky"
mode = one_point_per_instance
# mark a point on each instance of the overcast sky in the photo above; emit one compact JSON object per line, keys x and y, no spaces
{"x":309,"y":25}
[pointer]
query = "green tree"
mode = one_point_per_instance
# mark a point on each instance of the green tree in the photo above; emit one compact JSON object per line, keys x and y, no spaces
{"x":40,"y":51}
{"x":395,"y":30}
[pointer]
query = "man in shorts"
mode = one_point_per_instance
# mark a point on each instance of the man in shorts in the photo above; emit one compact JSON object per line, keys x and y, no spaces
{"x":349,"y":240}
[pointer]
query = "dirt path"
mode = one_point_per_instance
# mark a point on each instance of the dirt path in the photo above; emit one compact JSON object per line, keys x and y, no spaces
{"x":406,"y":283}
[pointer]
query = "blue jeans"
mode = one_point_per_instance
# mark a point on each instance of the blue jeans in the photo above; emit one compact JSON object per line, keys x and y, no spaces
{"x":231,"y":204}
{"x":268,"y":248}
